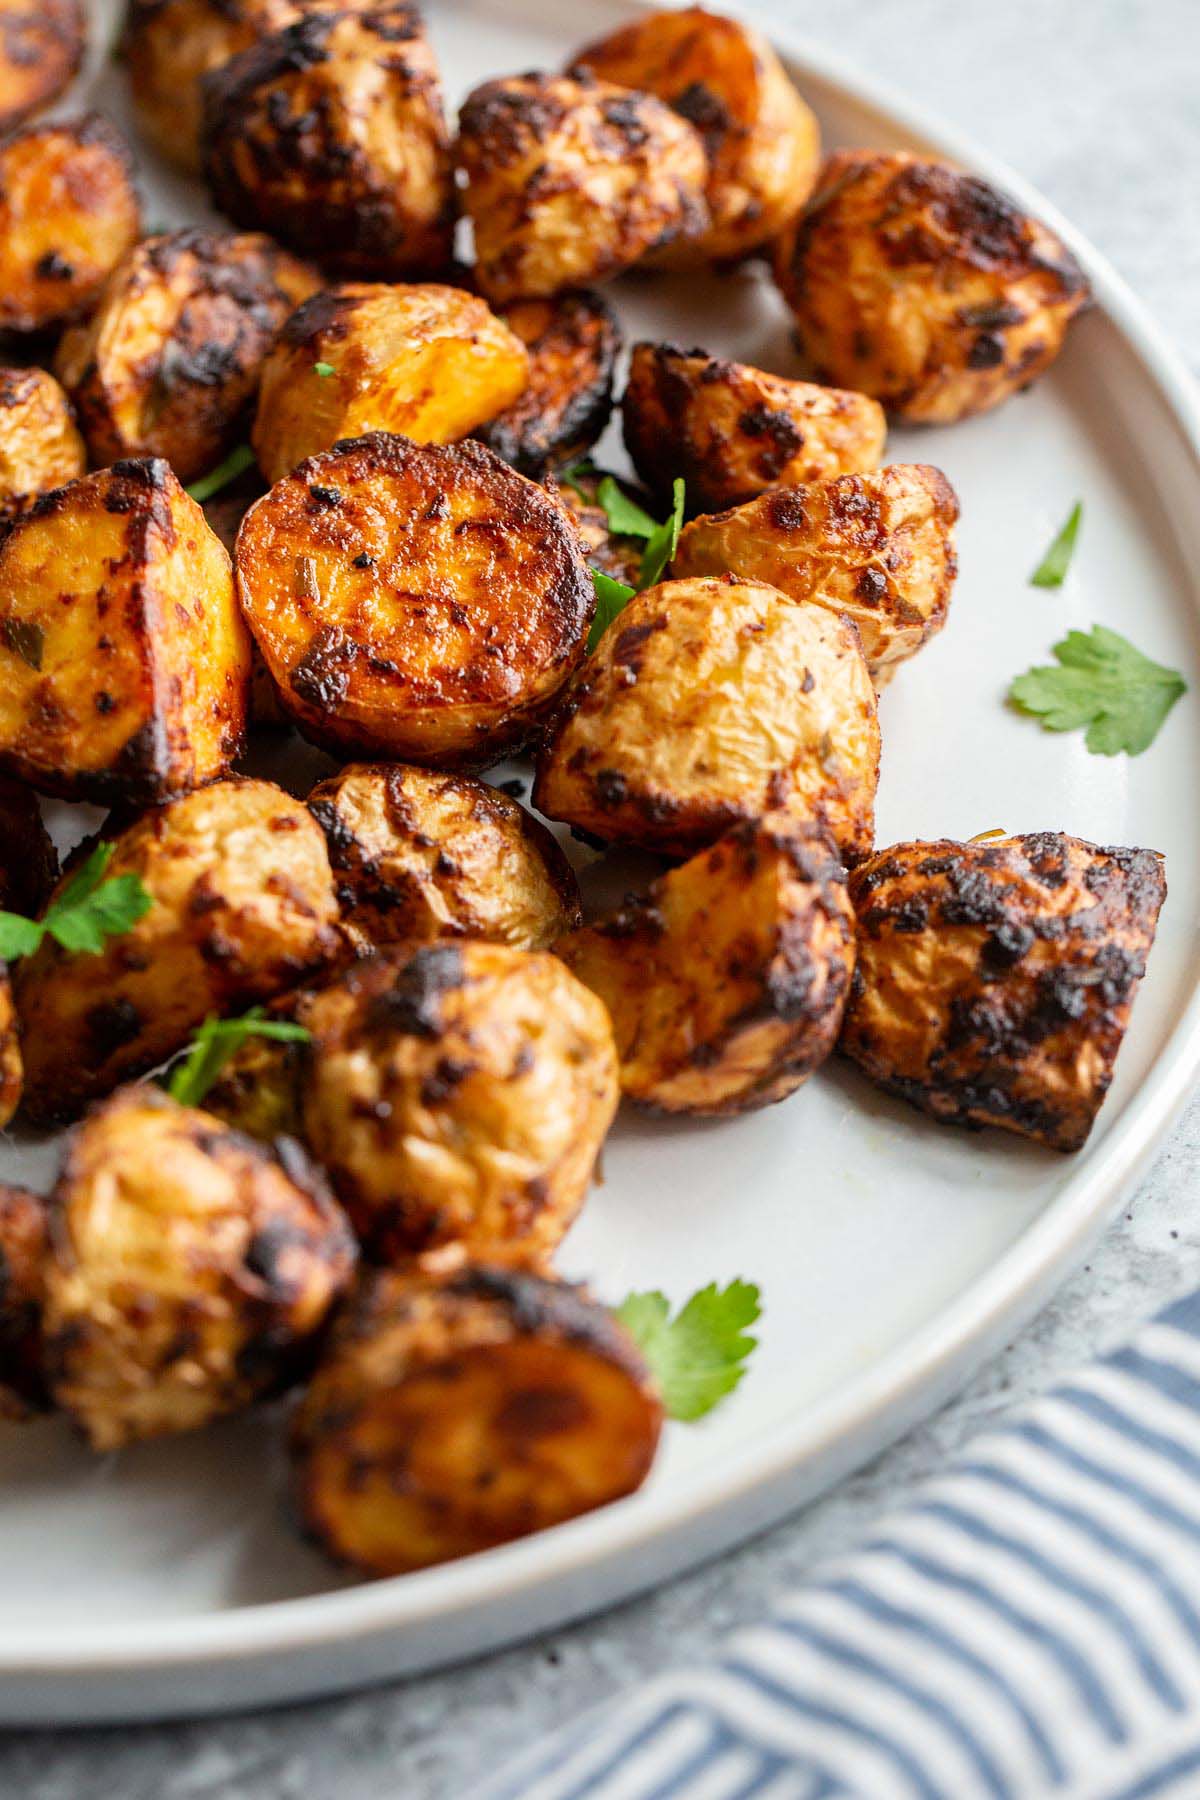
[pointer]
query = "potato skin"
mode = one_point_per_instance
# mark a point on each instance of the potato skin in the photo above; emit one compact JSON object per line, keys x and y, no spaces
{"x":711,"y":701}
{"x":457,"y":1410}
{"x":40,"y":447}
{"x":413,"y":601}
{"x":573,"y":343}
{"x":925,"y":287}
{"x":170,"y":45}
{"x":23,"y":1239}
{"x":995,"y":980}
{"x":243,"y":907}
{"x":568,"y":182}
{"x":41,"y":47}
{"x":877,"y":548}
{"x":733,"y":431}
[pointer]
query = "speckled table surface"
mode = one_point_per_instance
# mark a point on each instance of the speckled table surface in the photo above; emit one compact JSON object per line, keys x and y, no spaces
{"x":1098,"y":106}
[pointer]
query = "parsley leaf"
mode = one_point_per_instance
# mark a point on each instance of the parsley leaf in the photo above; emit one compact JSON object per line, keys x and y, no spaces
{"x":625,"y":517}
{"x":214,"y":1044}
{"x":612,"y":597}
{"x":664,"y":541}
{"x":699,"y":1356}
{"x":1051,"y":571}
{"x":234,"y":465}
{"x":1102,"y":682}
{"x":87,"y":911}
{"x":324,"y":370}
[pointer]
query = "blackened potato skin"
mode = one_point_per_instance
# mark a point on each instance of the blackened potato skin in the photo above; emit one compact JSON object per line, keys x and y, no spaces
{"x":573,"y":343}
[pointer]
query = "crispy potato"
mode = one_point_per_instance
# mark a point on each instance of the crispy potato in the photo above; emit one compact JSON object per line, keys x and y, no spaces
{"x":995,"y":980}
{"x":732,"y":431}
{"x":925,"y":287}
{"x":571,"y":181}
{"x":123,"y":659}
{"x":573,"y":343}
{"x":169,"y":362}
{"x":708,"y":702}
{"x":428,"y":362}
{"x":68,"y":214}
{"x":605,"y":549}
{"x":41,"y":47}
{"x":23,"y":1237}
{"x":243,"y":906}
{"x":879,"y":549}
{"x":331,"y":135}
{"x":28,"y":859}
{"x":413,"y":601}
{"x":419,"y":856}
{"x":189,"y":1270}
{"x":458,"y":1408}
{"x":459,"y":1093}
{"x":40,"y":447}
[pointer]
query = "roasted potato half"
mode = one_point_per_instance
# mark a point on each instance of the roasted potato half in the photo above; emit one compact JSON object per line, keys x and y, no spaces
{"x":41,"y":47}
{"x":712,"y":701}
{"x":40,"y":447}
{"x":455,"y":1410}
{"x":571,"y":181}
{"x":428,"y":362}
{"x":733,"y":432}
{"x":169,"y":362}
{"x":23,"y":1242}
{"x":189,"y":1269}
{"x":459,"y":1093}
{"x":68,"y":214}
{"x":419,"y":855}
{"x":413,"y":601}
{"x":573,"y":343}
{"x":995,"y":979}
{"x":123,"y":659}
{"x":879,"y":549}
{"x":925,"y":287}
{"x":242,"y":908}
{"x":331,"y":135}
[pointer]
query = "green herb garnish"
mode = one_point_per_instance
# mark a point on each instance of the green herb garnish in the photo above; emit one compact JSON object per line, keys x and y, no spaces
{"x":625,"y":517}
{"x":324,"y":370}
{"x":234,"y":465}
{"x":1051,"y":571}
{"x":214,"y":1044}
{"x":612,"y":597}
{"x":699,"y":1356}
{"x":1102,"y":682}
{"x":575,"y":475}
{"x":664,"y":541}
{"x":87,"y":911}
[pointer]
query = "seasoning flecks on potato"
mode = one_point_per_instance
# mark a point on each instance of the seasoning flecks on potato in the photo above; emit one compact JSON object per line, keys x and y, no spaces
{"x":23,"y":1241}
{"x":573,"y":342}
{"x":41,"y":47}
{"x":40,"y":445}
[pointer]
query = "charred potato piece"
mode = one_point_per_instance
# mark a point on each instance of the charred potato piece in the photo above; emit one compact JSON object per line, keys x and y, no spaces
{"x":23,"y":1240}
{"x":41,"y":47}
{"x":995,"y":980}
{"x":12,"y":1064}
{"x":732,"y":431}
{"x":123,"y":659}
{"x":879,"y":549}
{"x":242,"y":907}
{"x":68,"y":214}
{"x":28,"y":859}
{"x":708,"y":702}
{"x":571,"y":181}
{"x":605,"y":549}
{"x":455,"y":1411}
{"x":459,"y":1093}
{"x":40,"y":447}
{"x":189,"y":1270}
{"x":169,"y":362}
{"x":331,"y":135}
{"x":425,"y":361}
{"x":412,"y":601}
{"x":925,"y":287}
{"x":573,"y":342}
{"x":419,"y":856}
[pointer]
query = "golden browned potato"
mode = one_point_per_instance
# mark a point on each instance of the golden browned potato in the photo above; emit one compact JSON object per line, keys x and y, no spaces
{"x":40,"y":447}
{"x":23,"y":1234}
{"x":732,"y":431}
{"x":763,"y":143}
{"x":428,"y":362}
{"x":189,"y":1270}
{"x":610,"y":552}
{"x":123,"y":659}
{"x":879,"y":549}
{"x":571,"y":181}
{"x":925,"y":287}
{"x":242,"y":908}
{"x":711,"y":701}
{"x":995,"y":979}
{"x":458,"y":1408}
{"x":68,"y":214}
{"x":413,"y":601}
{"x":459,"y":1093}
{"x":331,"y":135}
{"x":169,"y":362}
{"x":419,"y":855}
{"x":573,"y":343}
{"x":41,"y":47}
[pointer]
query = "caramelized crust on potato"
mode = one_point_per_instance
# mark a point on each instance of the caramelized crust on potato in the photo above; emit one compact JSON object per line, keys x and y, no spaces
{"x":68,"y":214}
{"x":732,"y":431}
{"x":879,"y":549}
{"x":23,"y":1237}
{"x":425,"y":361}
{"x":727,"y":981}
{"x":456,"y":1410}
{"x":170,"y":360}
{"x":243,"y":906}
{"x":189,"y":1269}
{"x":571,"y":181}
{"x":925,"y":287}
{"x":412,"y":601}
{"x":573,"y":343}
{"x":708,"y":702}
{"x":40,"y":447}
{"x":123,"y":660}
{"x":41,"y":48}
{"x":995,"y":980}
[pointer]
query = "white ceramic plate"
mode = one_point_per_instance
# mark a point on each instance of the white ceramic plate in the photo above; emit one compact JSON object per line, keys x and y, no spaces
{"x":892,"y":1255}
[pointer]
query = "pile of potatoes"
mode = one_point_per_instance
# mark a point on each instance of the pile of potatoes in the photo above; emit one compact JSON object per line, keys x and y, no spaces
{"x":368,"y":1213}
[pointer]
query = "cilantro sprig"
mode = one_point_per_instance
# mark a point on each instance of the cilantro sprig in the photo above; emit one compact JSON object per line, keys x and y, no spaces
{"x":700,"y":1355}
{"x":213,"y":1045}
{"x":1051,"y":571}
{"x":87,"y":911}
{"x":1104,"y":683}
{"x":627,"y":519}
{"x":235,"y":464}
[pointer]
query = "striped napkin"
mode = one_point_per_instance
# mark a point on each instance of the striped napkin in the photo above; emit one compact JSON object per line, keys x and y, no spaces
{"x":1029,"y":1625}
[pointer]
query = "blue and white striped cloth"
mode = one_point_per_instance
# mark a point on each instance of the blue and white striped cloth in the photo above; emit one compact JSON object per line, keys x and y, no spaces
{"x":1028,"y":1626}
